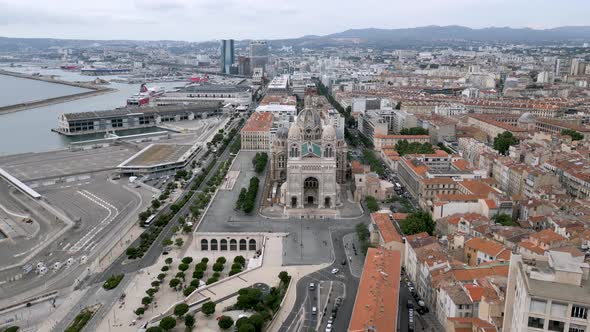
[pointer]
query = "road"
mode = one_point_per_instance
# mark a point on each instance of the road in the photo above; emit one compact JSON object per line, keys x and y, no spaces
{"x":303,"y":319}
{"x":124,"y":266}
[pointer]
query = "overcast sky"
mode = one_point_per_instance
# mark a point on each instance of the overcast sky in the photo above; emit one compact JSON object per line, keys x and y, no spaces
{"x":199,"y":20}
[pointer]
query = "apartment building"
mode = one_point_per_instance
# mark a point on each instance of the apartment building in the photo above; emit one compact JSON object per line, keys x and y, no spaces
{"x":548,"y":293}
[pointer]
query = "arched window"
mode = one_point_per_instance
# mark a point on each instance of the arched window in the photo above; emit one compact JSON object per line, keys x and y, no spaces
{"x":204,"y":244}
{"x":214,"y":244}
{"x":243,"y":244}
{"x":252,"y":244}
{"x":223,"y":244}
{"x":233,"y":245}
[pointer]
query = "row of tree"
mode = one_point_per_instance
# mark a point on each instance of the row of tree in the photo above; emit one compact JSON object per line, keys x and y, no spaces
{"x":414,"y":131}
{"x":247,"y":199}
{"x":259,"y":161}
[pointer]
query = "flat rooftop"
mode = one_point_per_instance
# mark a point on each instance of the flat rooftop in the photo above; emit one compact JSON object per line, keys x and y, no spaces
{"x":157,"y":154}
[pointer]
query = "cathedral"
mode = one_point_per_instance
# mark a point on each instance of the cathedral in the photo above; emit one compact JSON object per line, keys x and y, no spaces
{"x":308,"y":159}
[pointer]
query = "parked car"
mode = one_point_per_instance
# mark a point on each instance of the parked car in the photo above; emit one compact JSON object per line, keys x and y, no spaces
{"x":334,"y":271}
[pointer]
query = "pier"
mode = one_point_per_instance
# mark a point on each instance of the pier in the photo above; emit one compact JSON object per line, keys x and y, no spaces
{"x":96,"y":90}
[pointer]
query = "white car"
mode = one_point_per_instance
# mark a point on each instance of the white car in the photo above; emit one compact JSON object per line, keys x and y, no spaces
{"x":334,"y":271}
{"x":329,"y":328}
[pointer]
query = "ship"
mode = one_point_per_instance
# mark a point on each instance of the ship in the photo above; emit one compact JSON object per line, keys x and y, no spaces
{"x":69,"y":66}
{"x":145,"y":95}
{"x":100,"y":70}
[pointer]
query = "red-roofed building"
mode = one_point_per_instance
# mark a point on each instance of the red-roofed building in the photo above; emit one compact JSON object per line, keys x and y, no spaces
{"x":384,"y":234}
{"x":479,"y":250}
{"x":255,"y":134}
{"x":377,"y":298}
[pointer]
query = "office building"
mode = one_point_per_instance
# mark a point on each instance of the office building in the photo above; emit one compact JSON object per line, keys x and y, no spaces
{"x":227,"y":55}
{"x":258,"y":53}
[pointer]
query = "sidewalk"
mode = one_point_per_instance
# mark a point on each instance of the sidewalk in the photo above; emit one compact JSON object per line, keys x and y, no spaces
{"x":166,"y":297}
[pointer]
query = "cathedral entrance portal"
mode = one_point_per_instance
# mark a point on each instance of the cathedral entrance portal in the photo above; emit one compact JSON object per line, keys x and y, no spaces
{"x":293,"y":202}
{"x":311,"y":187}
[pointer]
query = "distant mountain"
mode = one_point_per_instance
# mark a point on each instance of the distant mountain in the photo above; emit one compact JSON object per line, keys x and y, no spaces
{"x":412,"y":37}
{"x":452,"y":34}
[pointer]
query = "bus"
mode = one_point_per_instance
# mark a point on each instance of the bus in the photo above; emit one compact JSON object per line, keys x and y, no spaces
{"x":149,"y":220}
{"x":411,"y":319}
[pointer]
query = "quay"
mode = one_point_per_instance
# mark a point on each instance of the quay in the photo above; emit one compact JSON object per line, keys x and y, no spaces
{"x":95,"y":90}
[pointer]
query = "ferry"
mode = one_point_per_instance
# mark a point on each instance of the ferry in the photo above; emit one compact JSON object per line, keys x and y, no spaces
{"x":145,"y":95}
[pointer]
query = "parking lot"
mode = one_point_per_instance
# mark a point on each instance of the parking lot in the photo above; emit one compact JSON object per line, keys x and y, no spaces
{"x":37,"y":166}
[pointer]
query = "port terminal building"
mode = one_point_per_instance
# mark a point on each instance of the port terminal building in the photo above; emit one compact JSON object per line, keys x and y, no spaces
{"x":160,"y":158}
{"x":198,"y":92}
{"x":72,"y":124}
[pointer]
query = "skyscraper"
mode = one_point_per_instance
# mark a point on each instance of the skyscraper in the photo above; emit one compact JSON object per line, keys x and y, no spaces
{"x":258,"y":54}
{"x":227,"y":55}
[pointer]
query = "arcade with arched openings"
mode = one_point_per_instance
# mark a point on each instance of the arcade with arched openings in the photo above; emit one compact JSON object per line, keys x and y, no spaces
{"x":229,"y":241}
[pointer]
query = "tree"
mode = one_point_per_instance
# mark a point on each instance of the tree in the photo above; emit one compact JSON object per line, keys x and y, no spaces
{"x":187,"y":260}
{"x":218,"y":267}
{"x":179,"y":242}
{"x":156,"y":204}
{"x":180,"y":275}
{"x":247,"y":327}
{"x":414,"y":131}
{"x":188,"y":291}
{"x":146,"y":300}
{"x":168,"y":323}
{"x":198,"y":274}
{"x":225,"y":322}
{"x":417,"y":222}
{"x":189,"y":321}
{"x":372,"y":204}
{"x":248,"y":298}
{"x":205,"y":260}
{"x":183,"y":267}
{"x":241,"y":199}
{"x":150,"y":292}
{"x":504,"y":220}
{"x":167,"y":242}
{"x":240,"y":259}
{"x":139,"y":311}
{"x":180,"y":310}
{"x":174,"y":283}
{"x":504,"y":141}
{"x":284,"y":277}
{"x":168,"y":260}
{"x":155,"y":283}
{"x":362,"y":231}
{"x":154,"y":329}
{"x":241,"y":321}
{"x":211,"y":280}
{"x":208,"y":308}
{"x":576,"y":136}
{"x":195,"y":283}
{"x":161,"y":276}
{"x":221,"y":260}
{"x":257,"y":320}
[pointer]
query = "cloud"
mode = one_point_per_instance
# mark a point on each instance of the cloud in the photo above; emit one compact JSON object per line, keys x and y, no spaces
{"x":197,"y":20}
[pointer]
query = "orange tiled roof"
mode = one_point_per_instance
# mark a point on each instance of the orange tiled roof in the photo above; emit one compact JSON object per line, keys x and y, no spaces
{"x":489,"y":247}
{"x":461,"y":164}
{"x":377,"y":298}
{"x":386,"y":228}
{"x":531,"y":247}
{"x":259,"y":121}
{"x":484,"y":270}
{"x":547,"y":236}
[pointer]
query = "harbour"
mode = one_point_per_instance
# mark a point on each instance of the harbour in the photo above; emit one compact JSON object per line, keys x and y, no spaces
{"x":30,"y":130}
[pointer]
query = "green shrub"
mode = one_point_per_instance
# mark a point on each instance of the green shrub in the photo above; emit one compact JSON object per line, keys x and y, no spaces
{"x":113,"y":281}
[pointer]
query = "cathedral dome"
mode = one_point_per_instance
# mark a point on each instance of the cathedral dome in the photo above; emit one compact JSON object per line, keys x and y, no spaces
{"x":282,"y":133}
{"x":295,"y":132}
{"x":328,"y":133}
{"x":309,"y":118}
